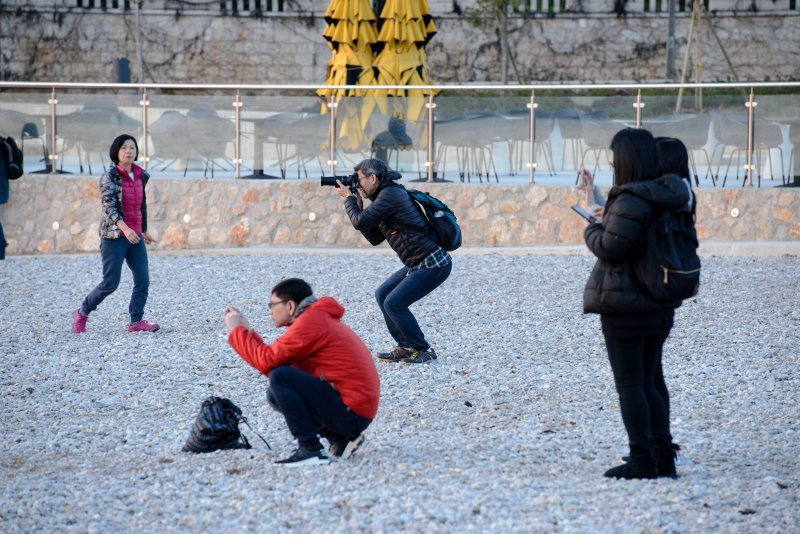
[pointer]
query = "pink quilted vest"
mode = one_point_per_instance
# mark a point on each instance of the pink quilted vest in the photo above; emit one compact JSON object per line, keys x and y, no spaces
{"x":132,"y":192}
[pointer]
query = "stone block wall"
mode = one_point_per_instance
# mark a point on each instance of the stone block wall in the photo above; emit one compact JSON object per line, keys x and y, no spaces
{"x":194,"y":213}
{"x":44,"y":43}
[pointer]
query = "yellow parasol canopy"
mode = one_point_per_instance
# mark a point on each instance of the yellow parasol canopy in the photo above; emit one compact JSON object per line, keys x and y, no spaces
{"x":361,"y":55}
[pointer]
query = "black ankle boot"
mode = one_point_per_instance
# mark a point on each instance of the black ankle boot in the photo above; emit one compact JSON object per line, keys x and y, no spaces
{"x":666,"y":455}
{"x":633,"y":469}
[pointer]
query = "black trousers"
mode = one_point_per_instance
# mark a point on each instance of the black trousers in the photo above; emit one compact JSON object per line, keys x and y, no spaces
{"x":643,"y":395}
{"x":311,"y":408}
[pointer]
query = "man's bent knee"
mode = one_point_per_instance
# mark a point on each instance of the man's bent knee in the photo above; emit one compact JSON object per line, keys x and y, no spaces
{"x":279,"y":375}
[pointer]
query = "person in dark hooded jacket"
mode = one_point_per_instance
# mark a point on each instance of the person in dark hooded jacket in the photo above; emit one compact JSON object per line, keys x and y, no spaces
{"x":634,"y":325}
{"x":393,"y":216}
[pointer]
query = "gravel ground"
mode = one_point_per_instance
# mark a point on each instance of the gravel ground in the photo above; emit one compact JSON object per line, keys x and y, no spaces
{"x":510,"y":430}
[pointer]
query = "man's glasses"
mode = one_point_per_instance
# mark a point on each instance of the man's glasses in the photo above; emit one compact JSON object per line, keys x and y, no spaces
{"x":273,"y":304}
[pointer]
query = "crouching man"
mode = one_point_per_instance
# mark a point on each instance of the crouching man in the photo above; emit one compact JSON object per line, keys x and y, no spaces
{"x":321,"y":375}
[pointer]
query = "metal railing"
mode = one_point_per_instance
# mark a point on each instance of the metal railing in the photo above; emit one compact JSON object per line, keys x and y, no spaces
{"x":515,"y":128}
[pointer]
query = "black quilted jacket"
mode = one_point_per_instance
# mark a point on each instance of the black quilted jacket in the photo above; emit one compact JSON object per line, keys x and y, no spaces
{"x":612,"y":288}
{"x":398,"y":219}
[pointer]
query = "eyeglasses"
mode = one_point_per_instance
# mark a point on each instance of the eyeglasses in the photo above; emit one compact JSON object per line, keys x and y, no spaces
{"x":273,"y":304}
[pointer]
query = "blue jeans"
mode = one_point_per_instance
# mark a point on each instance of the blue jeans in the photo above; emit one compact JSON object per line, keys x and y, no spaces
{"x":400,"y":291}
{"x":311,"y":407}
{"x":113,"y":252}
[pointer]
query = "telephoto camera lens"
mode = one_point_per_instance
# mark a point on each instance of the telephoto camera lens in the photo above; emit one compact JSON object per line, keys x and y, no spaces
{"x":348,"y":181}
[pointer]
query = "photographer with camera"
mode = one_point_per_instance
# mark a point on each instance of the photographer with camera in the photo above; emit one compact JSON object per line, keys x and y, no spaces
{"x":321,"y":375}
{"x":395,"y":217}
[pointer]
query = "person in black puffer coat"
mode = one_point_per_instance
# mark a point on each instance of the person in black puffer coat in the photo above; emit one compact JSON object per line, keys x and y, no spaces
{"x":634,"y":325}
{"x":393,"y":216}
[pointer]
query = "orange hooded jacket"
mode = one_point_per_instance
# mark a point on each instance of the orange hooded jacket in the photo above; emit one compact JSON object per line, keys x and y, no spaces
{"x":318,"y":343}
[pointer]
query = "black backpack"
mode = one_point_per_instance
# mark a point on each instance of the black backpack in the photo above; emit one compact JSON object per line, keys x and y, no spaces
{"x":11,"y":157}
{"x":669,"y":269}
{"x":441,"y":218}
{"x":217,"y":427}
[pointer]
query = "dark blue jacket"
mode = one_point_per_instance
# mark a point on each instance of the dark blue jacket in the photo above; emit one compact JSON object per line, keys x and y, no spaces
{"x":3,"y":182}
{"x":398,"y":219}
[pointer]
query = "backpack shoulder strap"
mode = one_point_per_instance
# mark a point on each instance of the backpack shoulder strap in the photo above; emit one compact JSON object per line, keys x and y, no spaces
{"x":244,"y":420}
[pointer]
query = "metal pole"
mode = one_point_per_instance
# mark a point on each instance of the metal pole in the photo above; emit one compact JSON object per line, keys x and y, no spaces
{"x":430,"y":105}
{"x":638,"y":105}
{"x":332,"y":105}
{"x":699,"y":56}
{"x":52,"y":156}
{"x":671,"y":42}
{"x":237,"y":105}
{"x":750,"y":104}
{"x":139,"y":57}
{"x":145,"y":152}
{"x":532,"y":105}
{"x":685,"y":61}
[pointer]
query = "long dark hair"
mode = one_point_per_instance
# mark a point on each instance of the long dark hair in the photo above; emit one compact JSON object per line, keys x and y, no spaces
{"x":117,"y":144}
{"x":673,"y":157}
{"x":635,"y":156}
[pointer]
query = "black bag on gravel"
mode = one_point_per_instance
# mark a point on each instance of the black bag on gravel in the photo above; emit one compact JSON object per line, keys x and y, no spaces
{"x":217,"y":427}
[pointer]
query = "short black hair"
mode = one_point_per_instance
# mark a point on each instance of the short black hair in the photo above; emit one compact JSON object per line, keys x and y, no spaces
{"x":294,"y":289}
{"x":635,"y":156}
{"x":117,"y":144}
{"x":673,"y":157}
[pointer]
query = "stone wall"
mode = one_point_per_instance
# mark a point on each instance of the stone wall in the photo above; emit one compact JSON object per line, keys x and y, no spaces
{"x":72,"y":45}
{"x":193,"y":213}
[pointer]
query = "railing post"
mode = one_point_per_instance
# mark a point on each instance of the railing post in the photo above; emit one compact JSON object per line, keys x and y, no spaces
{"x":332,"y":105}
{"x":429,"y":163}
{"x":750,"y":105}
{"x":52,"y":155}
{"x":145,"y":149}
{"x":638,"y":105}
{"x":237,"y":105}
{"x":532,"y":105}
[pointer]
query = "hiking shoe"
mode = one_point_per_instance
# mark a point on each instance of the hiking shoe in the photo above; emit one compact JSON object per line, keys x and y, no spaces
{"x":79,"y":322}
{"x":420,"y":356}
{"x":143,"y":326}
{"x":397,"y":354}
{"x":302,"y":456}
{"x":344,"y":448}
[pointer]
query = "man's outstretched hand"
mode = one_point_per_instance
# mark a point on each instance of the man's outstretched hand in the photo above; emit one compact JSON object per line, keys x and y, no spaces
{"x":233,"y":318}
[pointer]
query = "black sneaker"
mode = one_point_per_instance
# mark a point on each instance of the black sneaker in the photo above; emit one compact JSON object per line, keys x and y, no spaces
{"x":344,"y":448}
{"x":420,"y":356}
{"x":302,"y":456}
{"x":397,"y":354}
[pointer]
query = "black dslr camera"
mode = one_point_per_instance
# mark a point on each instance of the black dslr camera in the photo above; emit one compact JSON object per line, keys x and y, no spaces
{"x":350,"y":182}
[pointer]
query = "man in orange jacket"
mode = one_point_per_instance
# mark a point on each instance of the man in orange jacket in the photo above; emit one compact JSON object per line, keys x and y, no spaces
{"x":321,"y":375}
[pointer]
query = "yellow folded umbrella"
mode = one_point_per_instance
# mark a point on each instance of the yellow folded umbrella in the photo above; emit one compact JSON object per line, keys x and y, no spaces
{"x":403,"y":9}
{"x":349,"y":10}
{"x":412,"y":31}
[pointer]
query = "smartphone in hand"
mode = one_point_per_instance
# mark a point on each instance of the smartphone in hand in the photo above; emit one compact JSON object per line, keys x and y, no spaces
{"x":583,"y":213}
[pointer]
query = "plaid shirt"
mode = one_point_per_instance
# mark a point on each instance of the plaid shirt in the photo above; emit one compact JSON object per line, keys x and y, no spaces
{"x":437,"y":258}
